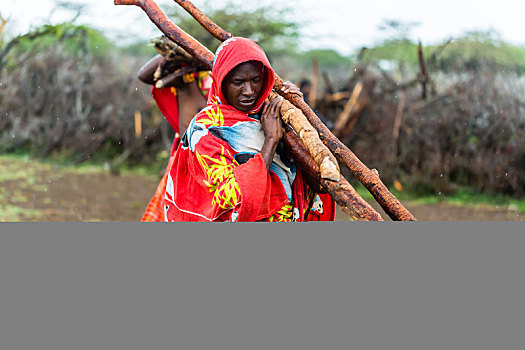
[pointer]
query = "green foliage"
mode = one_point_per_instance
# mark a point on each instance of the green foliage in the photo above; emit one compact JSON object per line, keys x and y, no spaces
{"x":78,"y":40}
{"x":473,"y":51}
{"x":327,"y":58}
{"x":266,"y":24}
{"x":477,"y":50}
{"x":398,"y":50}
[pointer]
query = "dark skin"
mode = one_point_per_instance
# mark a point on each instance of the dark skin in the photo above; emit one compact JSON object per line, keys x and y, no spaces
{"x":189,"y":96}
{"x":242,"y":88}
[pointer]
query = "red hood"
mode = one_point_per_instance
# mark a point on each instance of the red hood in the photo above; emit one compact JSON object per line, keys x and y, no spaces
{"x":230,"y":54}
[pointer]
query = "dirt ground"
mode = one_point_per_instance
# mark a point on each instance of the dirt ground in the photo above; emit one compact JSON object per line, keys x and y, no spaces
{"x":42,"y":192}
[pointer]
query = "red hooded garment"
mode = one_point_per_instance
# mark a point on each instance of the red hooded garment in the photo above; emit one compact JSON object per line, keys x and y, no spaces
{"x":218,"y":173}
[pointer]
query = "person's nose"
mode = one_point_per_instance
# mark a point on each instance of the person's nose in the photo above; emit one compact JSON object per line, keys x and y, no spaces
{"x":248,"y":89}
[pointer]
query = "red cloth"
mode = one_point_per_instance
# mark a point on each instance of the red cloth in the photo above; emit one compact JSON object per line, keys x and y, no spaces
{"x":208,"y":181}
{"x":167,"y":101}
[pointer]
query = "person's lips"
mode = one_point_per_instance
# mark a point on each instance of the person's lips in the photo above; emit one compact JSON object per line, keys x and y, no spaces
{"x":247,"y":102}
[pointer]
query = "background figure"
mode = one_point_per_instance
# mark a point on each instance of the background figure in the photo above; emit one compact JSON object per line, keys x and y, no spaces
{"x":180,"y":90}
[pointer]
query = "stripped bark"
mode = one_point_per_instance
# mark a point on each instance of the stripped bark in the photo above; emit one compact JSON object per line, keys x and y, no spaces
{"x":369,"y":178}
{"x":310,"y":138}
{"x":342,"y":192}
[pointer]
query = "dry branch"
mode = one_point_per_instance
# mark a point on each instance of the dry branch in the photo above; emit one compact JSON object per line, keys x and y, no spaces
{"x":423,"y":77}
{"x":350,"y":105}
{"x":343,"y":193}
{"x":310,"y":138}
{"x":312,"y":97}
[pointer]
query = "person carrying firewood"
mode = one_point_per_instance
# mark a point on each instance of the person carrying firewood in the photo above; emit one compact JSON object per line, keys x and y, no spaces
{"x":178,"y":100}
{"x":231,"y":165}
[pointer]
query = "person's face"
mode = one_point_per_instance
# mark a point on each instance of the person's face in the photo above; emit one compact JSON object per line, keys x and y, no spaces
{"x":243,"y":85}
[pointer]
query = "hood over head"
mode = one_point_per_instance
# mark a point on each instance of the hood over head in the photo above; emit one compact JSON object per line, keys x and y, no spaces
{"x":230,"y":54}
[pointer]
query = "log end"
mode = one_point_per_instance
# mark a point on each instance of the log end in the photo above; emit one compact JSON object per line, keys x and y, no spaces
{"x":329,"y":170}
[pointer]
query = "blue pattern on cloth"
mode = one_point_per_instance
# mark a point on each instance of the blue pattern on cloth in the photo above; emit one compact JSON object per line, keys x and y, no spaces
{"x":248,"y":138}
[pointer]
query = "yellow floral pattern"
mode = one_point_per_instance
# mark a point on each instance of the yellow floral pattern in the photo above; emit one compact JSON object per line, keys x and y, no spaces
{"x":285,"y":214}
{"x":221,"y":180}
{"x":213,"y":117}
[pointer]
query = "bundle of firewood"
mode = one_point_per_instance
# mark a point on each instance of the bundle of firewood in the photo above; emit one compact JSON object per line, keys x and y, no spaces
{"x":315,"y":149}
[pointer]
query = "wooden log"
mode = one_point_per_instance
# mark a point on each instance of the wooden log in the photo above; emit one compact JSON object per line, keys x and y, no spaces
{"x":342,"y":192}
{"x":368,"y":177}
{"x":320,"y":153}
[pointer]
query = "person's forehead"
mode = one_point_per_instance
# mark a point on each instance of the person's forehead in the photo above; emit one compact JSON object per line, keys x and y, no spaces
{"x":250,"y":67}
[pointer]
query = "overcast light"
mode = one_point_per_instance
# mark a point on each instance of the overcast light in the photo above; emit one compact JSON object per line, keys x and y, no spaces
{"x":341,"y":25}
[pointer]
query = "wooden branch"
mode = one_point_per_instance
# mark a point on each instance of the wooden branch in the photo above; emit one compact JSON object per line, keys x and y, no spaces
{"x":369,"y":178}
{"x":173,"y":32}
{"x":342,"y":192}
{"x":397,"y":124}
{"x":338,"y":96}
{"x":322,"y":156}
{"x":169,"y":79}
{"x":350,"y":105}
{"x":312,"y":97}
{"x":328,"y":85}
{"x":358,"y":109}
{"x":422,"y":71}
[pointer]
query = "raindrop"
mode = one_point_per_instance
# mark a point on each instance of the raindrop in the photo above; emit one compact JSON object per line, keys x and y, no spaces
{"x":93,"y":128}
{"x":506,"y":174}
{"x":441,"y":175}
{"x":136,"y":89}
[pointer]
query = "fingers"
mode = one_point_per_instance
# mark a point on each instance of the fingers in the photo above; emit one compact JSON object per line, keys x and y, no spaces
{"x":271,"y":109}
{"x":289,"y":87}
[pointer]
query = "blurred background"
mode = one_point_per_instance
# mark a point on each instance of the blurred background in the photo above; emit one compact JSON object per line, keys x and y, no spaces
{"x":433,"y":98}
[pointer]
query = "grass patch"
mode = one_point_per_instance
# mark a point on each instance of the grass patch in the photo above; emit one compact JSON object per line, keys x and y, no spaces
{"x":13,"y":213}
{"x":11,"y":167}
{"x":461,"y":197}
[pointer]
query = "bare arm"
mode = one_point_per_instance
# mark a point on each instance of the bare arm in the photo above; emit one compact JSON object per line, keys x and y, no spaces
{"x":146,"y":71}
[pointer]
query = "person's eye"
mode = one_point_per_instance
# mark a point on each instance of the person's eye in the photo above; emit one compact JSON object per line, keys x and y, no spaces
{"x":237,"y":83}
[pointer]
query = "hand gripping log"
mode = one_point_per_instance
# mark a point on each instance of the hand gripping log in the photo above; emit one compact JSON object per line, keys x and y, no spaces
{"x":342,"y":192}
{"x":369,"y":178}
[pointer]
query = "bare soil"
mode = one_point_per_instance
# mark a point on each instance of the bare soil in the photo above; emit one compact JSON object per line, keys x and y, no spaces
{"x":31,"y":191}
